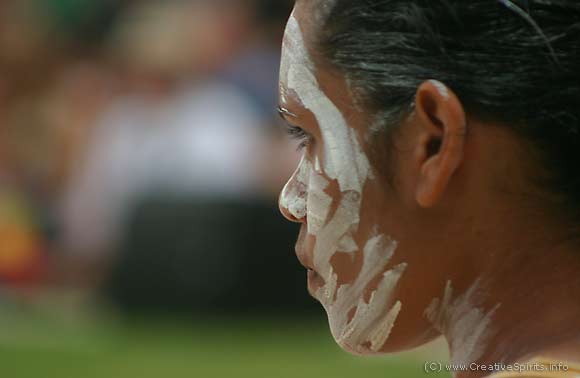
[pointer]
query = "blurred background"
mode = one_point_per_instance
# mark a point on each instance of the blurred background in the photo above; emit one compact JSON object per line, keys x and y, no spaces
{"x":140,"y":164}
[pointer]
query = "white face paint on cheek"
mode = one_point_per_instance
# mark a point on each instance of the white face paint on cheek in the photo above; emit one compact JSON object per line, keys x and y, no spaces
{"x":345,"y":162}
{"x":372,"y":323}
{"x":318,"y":202}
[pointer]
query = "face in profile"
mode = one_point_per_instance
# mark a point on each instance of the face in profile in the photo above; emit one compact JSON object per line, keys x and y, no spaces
{"x":347,"y":240}
{"x":429,"y":224}
{"x":378,"y":255}
{"x":347,"y":256}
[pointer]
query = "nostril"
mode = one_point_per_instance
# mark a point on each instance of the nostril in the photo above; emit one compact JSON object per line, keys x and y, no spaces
{"x":293,"y":213}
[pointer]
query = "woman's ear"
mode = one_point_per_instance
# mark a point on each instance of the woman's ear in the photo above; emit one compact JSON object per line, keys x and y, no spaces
{"x":442,"y":136}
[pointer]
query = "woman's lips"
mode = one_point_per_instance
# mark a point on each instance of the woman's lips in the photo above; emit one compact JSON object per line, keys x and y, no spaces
{"x":315,"y":282}
{"x":304,"y":258}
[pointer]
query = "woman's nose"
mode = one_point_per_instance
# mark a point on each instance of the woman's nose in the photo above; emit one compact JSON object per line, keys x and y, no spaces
{"x":292,"y":202}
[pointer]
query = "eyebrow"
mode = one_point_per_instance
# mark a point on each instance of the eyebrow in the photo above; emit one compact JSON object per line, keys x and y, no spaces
{"x":283,"y":112}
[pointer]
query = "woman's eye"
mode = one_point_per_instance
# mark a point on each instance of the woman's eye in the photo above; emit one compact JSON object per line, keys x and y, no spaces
{"x":297,"y":133}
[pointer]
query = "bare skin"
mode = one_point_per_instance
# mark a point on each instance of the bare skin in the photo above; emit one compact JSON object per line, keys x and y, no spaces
{"x":460,"y":212}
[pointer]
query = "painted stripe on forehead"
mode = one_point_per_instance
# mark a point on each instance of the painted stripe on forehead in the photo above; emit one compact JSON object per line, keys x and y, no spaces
{"x":344,"y":159}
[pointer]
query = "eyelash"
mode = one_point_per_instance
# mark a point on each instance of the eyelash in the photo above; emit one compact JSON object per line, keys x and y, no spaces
{"x":297,"y":133}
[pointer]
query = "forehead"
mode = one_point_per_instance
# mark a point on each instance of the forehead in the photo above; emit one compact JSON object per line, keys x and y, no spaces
{"x":302,"y":66}
{"x":308,"y":16}
{"x":296,"y":51}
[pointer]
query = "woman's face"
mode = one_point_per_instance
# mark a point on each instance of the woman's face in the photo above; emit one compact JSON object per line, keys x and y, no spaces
{"x":445,"y":245}
{"x":373,"y":259}
{"x":353,"y":226}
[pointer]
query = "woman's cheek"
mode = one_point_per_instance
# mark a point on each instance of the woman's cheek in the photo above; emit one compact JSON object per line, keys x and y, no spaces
{"x":318,"y":201}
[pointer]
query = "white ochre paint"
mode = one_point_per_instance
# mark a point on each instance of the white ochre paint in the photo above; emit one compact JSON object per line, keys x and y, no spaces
{"x":466,"y":327}
{"x":373,"y":321}
{"x":344,"y":159}
{"x":318,"y":202}
{"x":294,"y":193}
{"x":441,"y":88}
{"x":344,"y":162}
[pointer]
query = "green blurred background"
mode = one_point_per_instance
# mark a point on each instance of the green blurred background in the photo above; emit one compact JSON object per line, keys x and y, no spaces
{"x":203,"y":347}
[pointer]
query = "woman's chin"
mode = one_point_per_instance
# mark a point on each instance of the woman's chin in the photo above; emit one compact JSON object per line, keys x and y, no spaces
{"x":363,"y":349}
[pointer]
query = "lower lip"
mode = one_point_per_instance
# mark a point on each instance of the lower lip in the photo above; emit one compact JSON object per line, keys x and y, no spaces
{"x":315,"y":282}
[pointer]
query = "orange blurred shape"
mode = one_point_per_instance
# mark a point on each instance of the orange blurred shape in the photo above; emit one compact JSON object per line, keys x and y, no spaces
{"x":21,"y":259}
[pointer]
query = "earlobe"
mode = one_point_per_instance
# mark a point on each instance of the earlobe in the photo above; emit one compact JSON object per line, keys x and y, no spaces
{"x":443,"y":131}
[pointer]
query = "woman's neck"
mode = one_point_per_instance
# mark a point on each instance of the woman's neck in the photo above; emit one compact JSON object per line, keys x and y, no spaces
{"x":526,"y":304}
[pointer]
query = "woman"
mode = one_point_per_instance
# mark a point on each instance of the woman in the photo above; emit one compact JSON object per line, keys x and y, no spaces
{"x":438,"y":191}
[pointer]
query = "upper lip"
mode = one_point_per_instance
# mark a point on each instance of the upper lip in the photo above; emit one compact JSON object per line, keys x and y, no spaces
{"x":303,"y":257}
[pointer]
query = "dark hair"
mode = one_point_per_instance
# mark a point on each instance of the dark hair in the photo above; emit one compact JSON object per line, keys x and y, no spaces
{"x":516,"y":63}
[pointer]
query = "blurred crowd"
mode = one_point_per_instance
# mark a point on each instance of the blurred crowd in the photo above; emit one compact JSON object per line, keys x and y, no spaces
{"x":140,"y":156}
